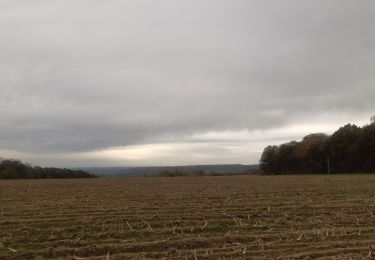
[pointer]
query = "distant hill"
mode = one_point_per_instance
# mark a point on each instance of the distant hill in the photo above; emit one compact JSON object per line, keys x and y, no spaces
{"x":16,"y":169}
{"x":155,"y":170}
{"x":105,"y":171}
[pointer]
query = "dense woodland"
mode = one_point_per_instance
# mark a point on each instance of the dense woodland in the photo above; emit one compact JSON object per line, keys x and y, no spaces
{"x":15,"y":169}
{"x":351,"y":149}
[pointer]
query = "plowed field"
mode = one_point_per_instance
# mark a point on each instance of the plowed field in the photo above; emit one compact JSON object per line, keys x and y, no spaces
{"x":255,"y":217}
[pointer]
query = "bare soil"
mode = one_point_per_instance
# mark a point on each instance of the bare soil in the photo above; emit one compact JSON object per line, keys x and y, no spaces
{"x":254,"y":217}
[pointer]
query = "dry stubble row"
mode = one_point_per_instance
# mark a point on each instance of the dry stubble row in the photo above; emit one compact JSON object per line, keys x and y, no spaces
{"x":257,"y":217}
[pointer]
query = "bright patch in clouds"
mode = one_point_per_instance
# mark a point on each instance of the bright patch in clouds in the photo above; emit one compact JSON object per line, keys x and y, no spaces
{"x":212,"y":147}
{"x":101,"y":83}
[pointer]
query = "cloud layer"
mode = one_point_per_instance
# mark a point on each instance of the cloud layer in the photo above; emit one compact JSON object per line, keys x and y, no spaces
{"x":81,"y":78}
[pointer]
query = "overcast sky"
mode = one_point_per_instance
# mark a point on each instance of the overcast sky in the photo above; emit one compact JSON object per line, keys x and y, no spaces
{"x":124,"y":82}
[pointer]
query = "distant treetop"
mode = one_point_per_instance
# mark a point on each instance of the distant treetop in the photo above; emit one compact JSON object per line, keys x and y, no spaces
{"x":15,"y":169}
{"x":351,"y":149}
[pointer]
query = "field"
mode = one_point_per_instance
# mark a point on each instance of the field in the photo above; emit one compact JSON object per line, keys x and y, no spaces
{"x":255,"y":217}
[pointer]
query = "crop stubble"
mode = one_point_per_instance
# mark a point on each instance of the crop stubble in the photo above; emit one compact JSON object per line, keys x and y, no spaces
{"x":257,"y":217}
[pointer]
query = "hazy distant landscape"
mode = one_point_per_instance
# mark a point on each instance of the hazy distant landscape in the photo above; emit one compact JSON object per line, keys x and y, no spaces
{"x":156,"y":170}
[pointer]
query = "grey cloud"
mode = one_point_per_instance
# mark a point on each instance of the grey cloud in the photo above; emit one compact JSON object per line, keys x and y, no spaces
{"x":87,"y":75}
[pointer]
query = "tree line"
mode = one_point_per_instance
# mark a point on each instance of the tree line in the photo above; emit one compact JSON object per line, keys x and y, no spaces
{"x":186,"y":171}
{"x":176,"y":172}
{"x":15,"y":169}
{"x":351,"y":149}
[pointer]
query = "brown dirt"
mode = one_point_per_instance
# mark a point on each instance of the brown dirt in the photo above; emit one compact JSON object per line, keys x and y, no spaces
{"x":254,"y":217}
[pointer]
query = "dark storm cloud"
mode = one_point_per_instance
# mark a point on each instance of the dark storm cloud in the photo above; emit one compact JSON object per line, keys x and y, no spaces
{"x":85,"y":75}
